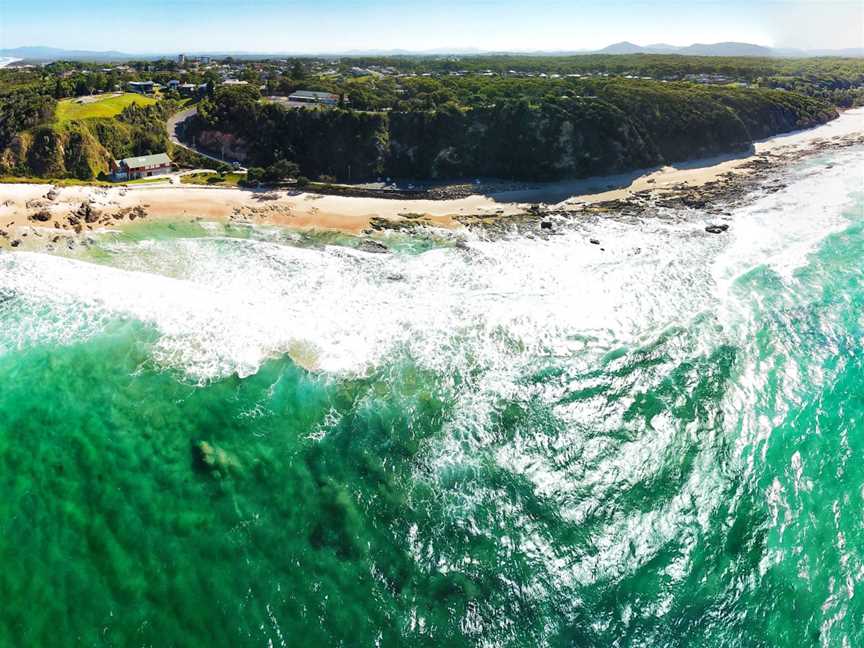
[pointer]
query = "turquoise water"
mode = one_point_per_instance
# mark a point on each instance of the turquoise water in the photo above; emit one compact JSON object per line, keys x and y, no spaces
{"x":238,"y":437}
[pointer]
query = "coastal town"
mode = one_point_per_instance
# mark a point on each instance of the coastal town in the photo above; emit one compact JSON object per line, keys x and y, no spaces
{"x":193,"y":76}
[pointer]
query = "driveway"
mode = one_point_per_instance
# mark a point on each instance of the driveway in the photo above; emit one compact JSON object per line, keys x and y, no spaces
{"x":173,"y":125}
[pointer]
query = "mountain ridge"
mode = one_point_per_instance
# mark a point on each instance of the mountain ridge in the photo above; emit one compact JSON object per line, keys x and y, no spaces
{"x":728,"y":48}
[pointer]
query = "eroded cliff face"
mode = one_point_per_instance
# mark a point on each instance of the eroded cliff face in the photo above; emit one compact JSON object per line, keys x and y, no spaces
{"x":84,"y":149}
{"x":231,"y":146}
{"x":56,"y":153}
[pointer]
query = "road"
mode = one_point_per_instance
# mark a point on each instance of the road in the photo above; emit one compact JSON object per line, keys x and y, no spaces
{"x":172,"y":126}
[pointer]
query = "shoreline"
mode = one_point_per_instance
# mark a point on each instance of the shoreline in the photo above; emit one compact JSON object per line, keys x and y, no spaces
{"x":32,"y":214}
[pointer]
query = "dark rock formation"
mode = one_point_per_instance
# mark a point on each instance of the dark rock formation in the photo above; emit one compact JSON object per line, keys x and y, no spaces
{"x":368,"y":245}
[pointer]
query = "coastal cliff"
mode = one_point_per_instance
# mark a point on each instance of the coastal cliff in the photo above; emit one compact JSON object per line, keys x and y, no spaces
{"x":83,"y":149}
{"x":619,"y":127}
{"x":582,"y":130}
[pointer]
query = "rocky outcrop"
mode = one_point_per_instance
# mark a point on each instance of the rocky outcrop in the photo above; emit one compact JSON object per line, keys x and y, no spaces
{"x":232,"y":147}
{"x":212,"y":459}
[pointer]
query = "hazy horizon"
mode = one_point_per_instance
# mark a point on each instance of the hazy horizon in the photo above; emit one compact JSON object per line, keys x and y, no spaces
{"x":263,"y":26}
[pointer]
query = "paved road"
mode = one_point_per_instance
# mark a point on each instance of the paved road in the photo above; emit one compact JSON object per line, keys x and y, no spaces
{"x":172,"y":126}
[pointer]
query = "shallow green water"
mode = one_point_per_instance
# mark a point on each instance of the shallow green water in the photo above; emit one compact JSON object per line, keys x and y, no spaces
{"x":525,"y":442}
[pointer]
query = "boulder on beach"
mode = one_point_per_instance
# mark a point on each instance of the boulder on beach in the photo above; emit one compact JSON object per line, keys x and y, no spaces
{"x":87,"y":212}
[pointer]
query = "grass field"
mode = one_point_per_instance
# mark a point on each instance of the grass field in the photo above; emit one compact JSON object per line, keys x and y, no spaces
{"x":212,"y":179}
{"x":147,"y":180}
{"x":111,"y":105}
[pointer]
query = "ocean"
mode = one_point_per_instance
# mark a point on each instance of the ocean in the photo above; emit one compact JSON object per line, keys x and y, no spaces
{"x":215,"y":435}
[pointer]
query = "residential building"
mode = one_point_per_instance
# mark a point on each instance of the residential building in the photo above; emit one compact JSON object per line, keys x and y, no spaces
{"x":181,"y":59}
{"x":188,"y":89}
{"x":311,"y":97}
{"x":143,"y":166}
{"x":141,"y":87}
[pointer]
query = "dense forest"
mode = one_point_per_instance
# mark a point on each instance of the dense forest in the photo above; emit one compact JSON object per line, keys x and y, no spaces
{"x":520,"y":129}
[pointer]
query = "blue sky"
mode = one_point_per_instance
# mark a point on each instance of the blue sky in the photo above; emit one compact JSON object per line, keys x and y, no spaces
{"x":339,"y":25}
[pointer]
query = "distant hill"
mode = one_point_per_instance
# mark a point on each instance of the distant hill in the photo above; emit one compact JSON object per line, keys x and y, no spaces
{"x":698,"y":49}
{"x":54,"y":53}
{"x":624,"y":47}
{"x":40,"y":54}
{"x":726,"y":49}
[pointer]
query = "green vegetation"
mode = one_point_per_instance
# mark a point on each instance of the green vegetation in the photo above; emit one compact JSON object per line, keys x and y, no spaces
{"x":147,"y":180}
{"x":526,"y":117}
{"x":44,"y":138}
{"x":98,"y":107}
{"x":837,"y":80}
{"x":530,"y":129}
{"x":213,"y":179}
{"x":60,"y":182}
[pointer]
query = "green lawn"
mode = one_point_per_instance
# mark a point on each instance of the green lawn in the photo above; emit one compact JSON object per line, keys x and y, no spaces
{"x":147,"y":180}
{"x":110,"y":106}
{"x":212,"y":179}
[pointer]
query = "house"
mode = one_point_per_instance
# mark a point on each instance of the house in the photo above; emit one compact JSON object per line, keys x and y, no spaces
{"x":143,"y":166}
{"x":310,"y":97}
{"x":187,"y":89}
{"x":141,"y":87}
{"x":234,"y":82}
{"x":173,"y":84}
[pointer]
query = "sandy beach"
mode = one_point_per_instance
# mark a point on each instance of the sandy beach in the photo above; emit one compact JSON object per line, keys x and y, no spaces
{"x":30,"y":212}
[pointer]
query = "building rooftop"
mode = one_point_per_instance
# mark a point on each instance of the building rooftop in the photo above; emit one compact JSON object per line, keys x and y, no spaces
{"x":146,"y":160}
{"x":311,"y":94}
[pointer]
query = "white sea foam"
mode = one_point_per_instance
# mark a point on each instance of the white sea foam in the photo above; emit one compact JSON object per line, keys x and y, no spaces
{"x":506,"y":307}
{"x":229,"y":304}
